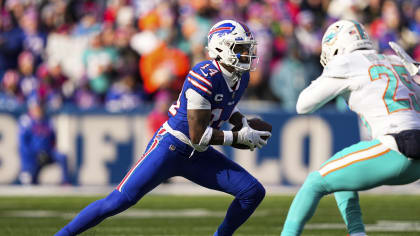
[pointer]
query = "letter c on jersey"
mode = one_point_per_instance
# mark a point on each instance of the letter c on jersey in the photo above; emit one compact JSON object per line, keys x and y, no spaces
{"x":218,"y":97}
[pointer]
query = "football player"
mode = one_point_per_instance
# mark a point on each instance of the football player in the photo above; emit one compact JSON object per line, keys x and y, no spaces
{"x":380,"y":90}
{"x":182,"y":146}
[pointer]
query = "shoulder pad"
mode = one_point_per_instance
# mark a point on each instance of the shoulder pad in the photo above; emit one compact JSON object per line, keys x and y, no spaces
{"x":338,"y":67}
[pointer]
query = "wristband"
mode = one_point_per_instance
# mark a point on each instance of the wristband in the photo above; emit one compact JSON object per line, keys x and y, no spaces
{"x":227,"y":138}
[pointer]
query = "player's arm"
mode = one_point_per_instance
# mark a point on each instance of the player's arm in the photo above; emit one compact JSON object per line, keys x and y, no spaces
{"x":201,"y":134}
{"x":333,"y":82}
{"x":409,"y":63}
{"x":236,"y":118}
{"x":198,"y":122}
{"x":321,"y":91}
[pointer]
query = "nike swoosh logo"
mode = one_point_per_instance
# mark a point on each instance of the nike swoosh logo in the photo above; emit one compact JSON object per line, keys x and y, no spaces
{"x":205,"y":74}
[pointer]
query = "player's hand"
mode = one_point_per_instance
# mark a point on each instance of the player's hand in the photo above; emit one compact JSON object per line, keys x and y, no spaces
{"x":251,"y":137}
{"x":409,"y":63}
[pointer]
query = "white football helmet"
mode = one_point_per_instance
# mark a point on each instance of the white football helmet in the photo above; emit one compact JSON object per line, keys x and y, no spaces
{"x":228,"y":40}
{"x":342,"y":37}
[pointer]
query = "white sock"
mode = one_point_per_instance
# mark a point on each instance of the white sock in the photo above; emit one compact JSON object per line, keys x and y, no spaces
{"x":359,"y":234}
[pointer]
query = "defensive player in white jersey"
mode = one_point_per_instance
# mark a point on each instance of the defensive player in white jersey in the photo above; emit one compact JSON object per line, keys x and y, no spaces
{"x":380,"y":90}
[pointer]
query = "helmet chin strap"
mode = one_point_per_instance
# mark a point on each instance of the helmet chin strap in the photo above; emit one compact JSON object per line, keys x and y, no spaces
{"x":234,"y":75}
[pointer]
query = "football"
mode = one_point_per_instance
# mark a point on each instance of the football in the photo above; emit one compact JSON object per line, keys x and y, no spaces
{"x":256,"y":124}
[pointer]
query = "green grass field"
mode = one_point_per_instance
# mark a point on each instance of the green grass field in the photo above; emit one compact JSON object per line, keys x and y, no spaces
{"x":200,"y":215}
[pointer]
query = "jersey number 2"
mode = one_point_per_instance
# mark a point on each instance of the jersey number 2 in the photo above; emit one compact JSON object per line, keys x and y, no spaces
{"x":393,"y":104}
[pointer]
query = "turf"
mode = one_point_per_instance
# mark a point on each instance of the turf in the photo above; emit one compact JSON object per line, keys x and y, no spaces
{"x":45,"y":215}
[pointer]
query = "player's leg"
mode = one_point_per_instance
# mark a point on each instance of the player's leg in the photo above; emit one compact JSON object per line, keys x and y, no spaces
{"x":29,"y":168}
{"x":348,"y":204}
{"x":153,"y":168}
{"x":304,"y":204}
{"x":410,"y":172}
{"x":213,"y":170}
{"x":362,"y":166}
{"x":61,"y":159}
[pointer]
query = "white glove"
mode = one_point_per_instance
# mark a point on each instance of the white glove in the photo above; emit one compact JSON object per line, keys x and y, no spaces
{"x":411,"y":65}
{"x":251,"y":137}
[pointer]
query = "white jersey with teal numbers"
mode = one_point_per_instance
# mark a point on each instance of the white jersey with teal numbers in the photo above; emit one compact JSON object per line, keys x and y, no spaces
{"x":377,"y":87}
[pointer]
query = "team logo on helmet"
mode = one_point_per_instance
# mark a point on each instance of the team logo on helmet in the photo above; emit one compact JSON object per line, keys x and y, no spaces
{"x":221,"y":30}
{"x":332,"y":36}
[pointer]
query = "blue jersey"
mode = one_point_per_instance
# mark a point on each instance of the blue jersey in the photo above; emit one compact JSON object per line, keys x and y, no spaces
{"x":207,"y":80}
{"x":35,"y":136}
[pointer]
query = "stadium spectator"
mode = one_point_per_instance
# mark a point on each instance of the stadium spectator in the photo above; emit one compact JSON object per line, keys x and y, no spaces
{"x":128,"y":58}
{"x":163,"y":72}
{"x":387,"y":27}
{"x":98,"y":60}
{"x":11,"y":42}
{"x":159,"y":114}
{"x":87,"y":25}
{"x":57,"y":79}
{"x":124,"y":95}
{"x":34,"y":41}
{"x":84,"y":97}
{"x":59,"y":31}
{"x":283,"y":87}
{"x":29,"y":83}
{"x":50,"y":86}
{"x":37,"y":144}
{"x":10,"y":96}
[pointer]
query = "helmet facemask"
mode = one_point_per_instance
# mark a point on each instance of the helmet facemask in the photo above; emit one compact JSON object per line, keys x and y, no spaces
{"x":243,"y":56}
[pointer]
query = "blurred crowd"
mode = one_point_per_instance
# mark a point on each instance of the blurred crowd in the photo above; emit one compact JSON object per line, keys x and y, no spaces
{"x":121,"y":54}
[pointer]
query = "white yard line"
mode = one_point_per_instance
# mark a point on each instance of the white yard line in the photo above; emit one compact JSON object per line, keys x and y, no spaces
{"x":382,"y":225}
{"x":131,"y":213}
{"x":174,"y":189}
